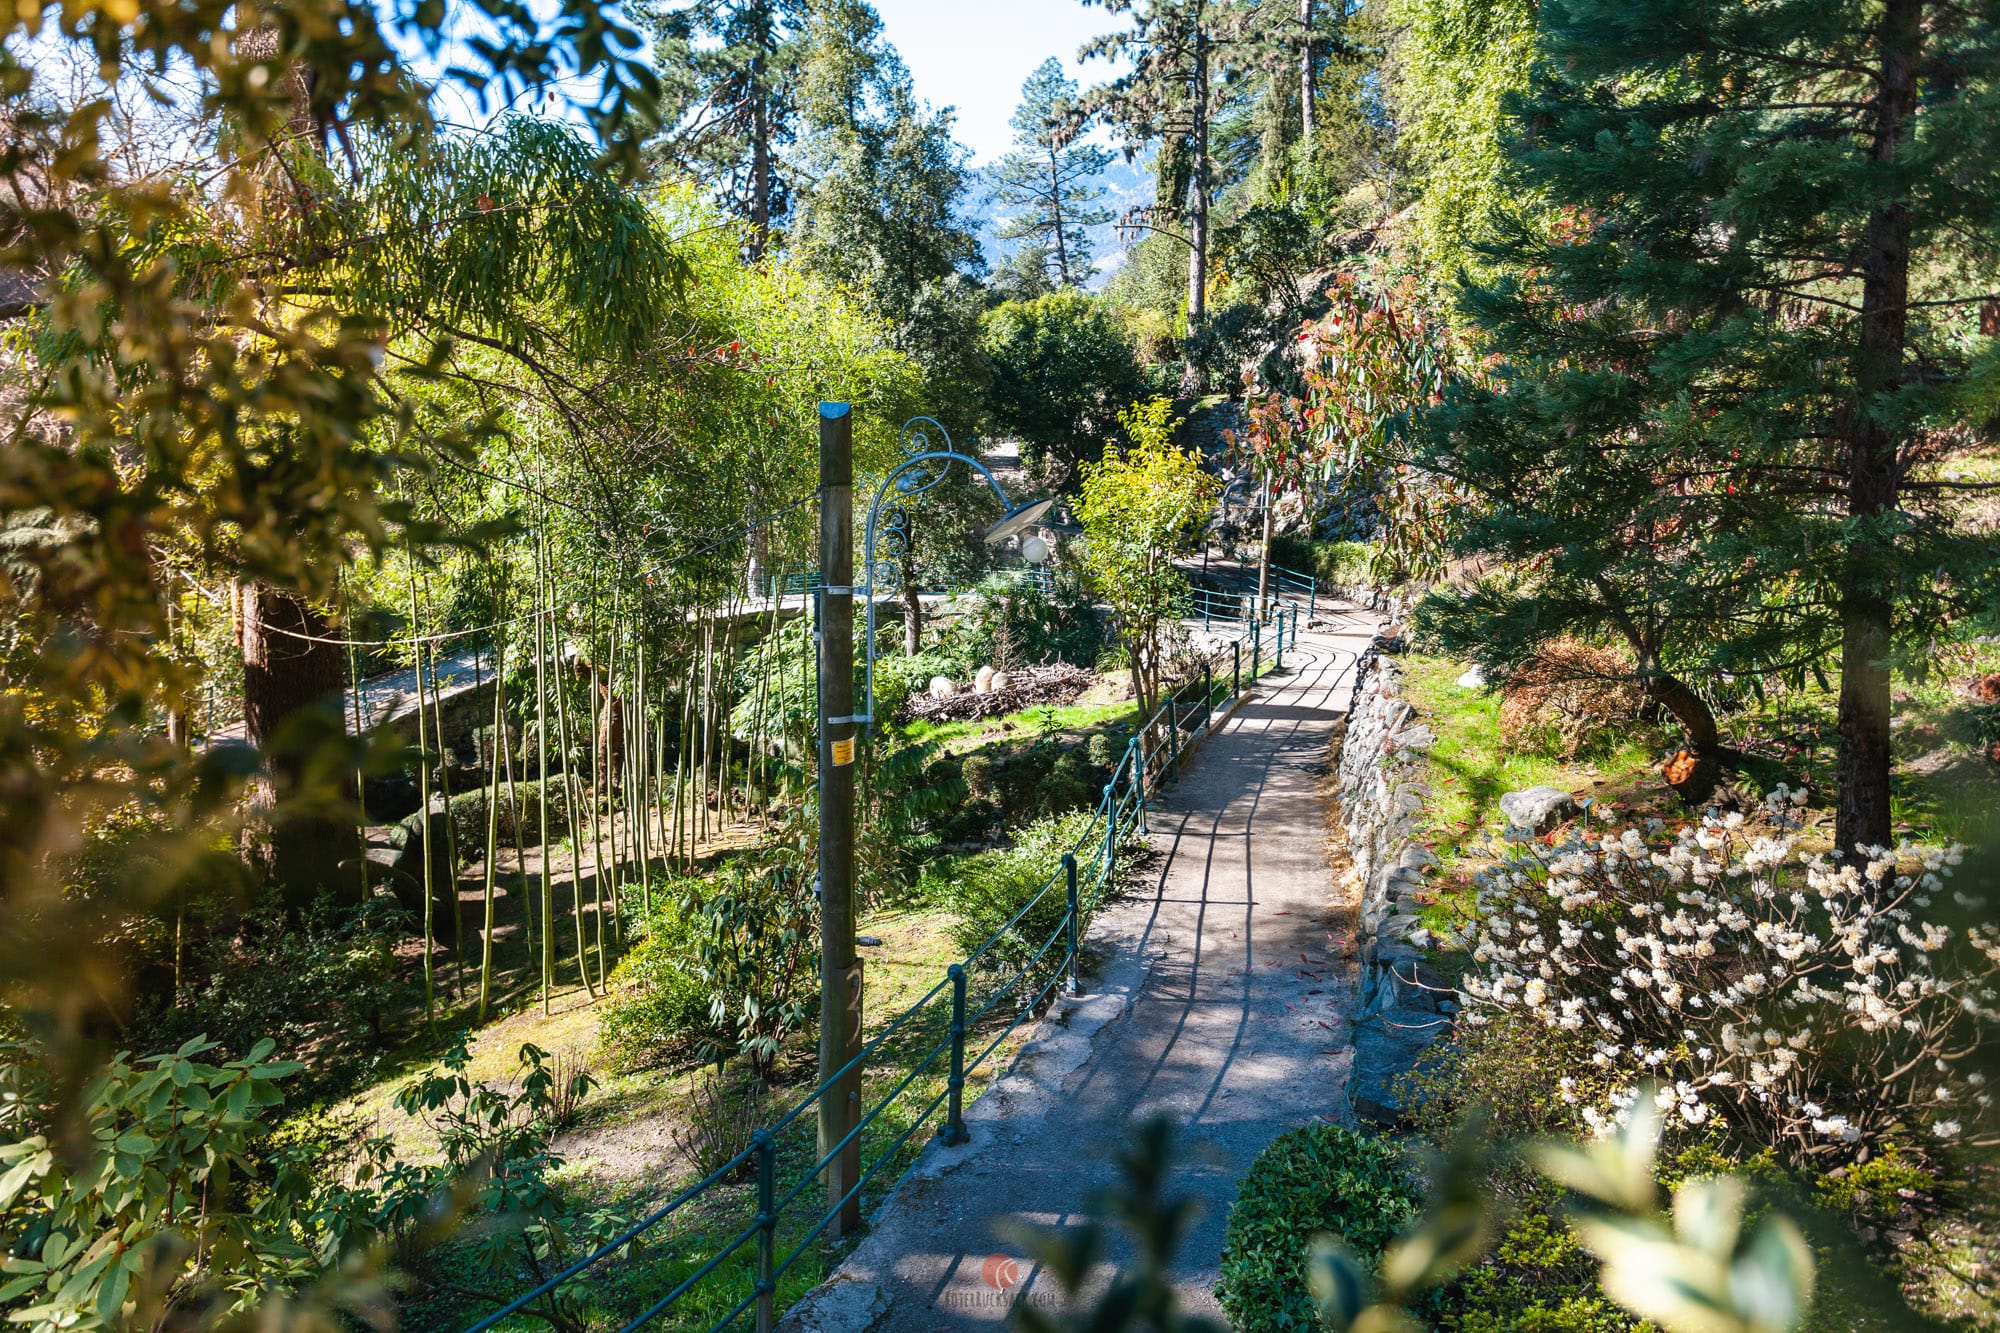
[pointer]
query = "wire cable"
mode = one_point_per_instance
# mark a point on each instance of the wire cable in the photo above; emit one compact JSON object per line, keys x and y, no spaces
{"x":447,"y":635}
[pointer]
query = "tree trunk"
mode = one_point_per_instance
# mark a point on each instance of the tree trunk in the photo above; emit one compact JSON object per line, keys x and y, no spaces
{"x":1306,"y":107}
{"x":1198,"y":196}
{"x":1704,"y":739}
{"x":1861,"y":809}
{"x":913,"y":605}
{"x":292,"y":670}
{"x":1264,"y":559}
{"x":1055,"y":213}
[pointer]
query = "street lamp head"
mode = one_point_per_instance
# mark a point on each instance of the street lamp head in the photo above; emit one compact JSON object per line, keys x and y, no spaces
{"x":1018,"y":519}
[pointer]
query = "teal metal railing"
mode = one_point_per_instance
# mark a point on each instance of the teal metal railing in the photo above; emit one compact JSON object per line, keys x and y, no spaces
{"x":1152,"y":758}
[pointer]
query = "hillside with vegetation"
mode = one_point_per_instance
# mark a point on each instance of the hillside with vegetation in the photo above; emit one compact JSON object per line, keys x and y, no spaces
{"x":409,"y":559}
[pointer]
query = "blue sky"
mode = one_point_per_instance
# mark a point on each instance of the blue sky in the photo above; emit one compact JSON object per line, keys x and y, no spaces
{"x":974,"y":55}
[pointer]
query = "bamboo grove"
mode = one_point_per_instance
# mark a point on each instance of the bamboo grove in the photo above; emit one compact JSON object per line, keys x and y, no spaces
{"x":626,"y":732}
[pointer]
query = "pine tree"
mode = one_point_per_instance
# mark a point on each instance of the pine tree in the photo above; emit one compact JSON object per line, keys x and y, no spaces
{"x":1735,"y":366}
{"x":731,"y":70}
{"x":1052,"y":176}
{"x":1183,"y":63}
{"x":881,"y":180}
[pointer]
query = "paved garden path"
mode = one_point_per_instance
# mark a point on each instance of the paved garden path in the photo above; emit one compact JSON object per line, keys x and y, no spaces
{"x":1218,"y":1000}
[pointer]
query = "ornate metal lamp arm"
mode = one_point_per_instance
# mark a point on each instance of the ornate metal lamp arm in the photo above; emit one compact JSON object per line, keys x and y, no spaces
{"x":924,"y":469}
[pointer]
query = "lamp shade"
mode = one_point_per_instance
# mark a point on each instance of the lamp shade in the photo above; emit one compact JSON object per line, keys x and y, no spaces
{"x":1018,"y":518}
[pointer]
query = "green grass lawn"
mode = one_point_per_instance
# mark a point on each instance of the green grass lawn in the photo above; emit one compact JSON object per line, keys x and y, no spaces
{"x":1944,"y":791}
{"x":622,"y":1153}
{"x":1022,"y":724}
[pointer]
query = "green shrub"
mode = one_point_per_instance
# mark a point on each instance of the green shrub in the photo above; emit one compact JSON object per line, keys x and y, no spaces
{"x":898,"y":677}
{"x":326,"y":984}
{"x":1343,"y":563}
{"x":468,"y":814}
{"x":1312,"y":1179}
{"x":988,"y":889}
{"x":754,"y":935}
{"x":658,"y":1008}
{"x":1537,"y":1279}
{"x":1015,"y":624}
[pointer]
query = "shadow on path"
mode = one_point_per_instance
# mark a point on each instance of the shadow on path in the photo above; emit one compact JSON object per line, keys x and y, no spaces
{"x":1219,"y":1004}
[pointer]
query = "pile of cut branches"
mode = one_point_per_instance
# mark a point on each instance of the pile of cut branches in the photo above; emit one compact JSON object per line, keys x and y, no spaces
{"x":1059,"y":683}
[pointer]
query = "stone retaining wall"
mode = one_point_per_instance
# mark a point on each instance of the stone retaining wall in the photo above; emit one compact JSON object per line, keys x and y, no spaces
{"x":1403,"y":1006}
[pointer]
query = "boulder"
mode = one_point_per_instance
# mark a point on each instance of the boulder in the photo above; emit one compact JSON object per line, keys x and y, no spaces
{"x":1538,"y":809}
{"x":983,"y":682}
{"x":1475,"y":679}
{"x":1001,"y":680}
{"x":942,"y":688}
{"x":409,"y":838}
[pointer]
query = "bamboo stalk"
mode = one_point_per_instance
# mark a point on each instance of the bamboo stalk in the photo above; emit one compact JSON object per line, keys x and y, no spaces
{"x":450,"y":834}
{"x":684,"y":772}
{"x":575,"y":805}
{"x":542,"y":637}
{"x":596,"y":794}
{"x":520,"y":848}
{"x":423,"y":791}
{"x":492,"y":824}
{"x":360,"y":778}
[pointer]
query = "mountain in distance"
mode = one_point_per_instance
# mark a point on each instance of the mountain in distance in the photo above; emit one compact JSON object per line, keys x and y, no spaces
{"x":1127,"y":185}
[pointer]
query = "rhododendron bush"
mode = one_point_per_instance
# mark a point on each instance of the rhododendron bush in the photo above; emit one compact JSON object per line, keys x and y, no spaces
{"x":1814,"y":1003}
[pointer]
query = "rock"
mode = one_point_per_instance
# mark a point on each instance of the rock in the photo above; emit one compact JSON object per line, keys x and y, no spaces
{"x":1400,"y":926}
{"x":408,"y":840}
{"x":983,"y":682}
{"x":1475,"y":679}
{"x":844,"y":1305}
{"x":1538,"y":809}
{"x":942,"y":688}
{"x":1386,"y":1048}
{"x":1001,"y":680}
{"x":1416,"y":858}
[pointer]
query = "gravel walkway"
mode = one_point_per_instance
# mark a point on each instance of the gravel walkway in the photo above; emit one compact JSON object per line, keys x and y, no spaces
{"x":1220,"y":1001}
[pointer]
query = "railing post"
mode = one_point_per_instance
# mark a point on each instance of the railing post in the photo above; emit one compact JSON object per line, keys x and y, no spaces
{"x":1075,"y":924}
{"x":767,"y":1232}
{"x":1278,"y":643}
{"x":1236,"y":668}
{"x":1139,"y":780}
{"x":1110,"y":826}
{"x":1256,"y":647}
{"x":954,"y":1124}
{"x":1207,"y":693}
{"x":1173,"y":736}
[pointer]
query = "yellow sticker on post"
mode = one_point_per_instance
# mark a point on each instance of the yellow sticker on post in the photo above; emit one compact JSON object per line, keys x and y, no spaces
{"x":843,"y":752}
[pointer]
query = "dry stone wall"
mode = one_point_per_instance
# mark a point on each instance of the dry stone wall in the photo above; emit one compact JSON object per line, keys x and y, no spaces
{"x":1404,"y":1007}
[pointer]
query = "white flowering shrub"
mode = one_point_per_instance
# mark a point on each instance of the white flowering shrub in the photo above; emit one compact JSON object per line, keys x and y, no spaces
{"x":1811,"y":1002}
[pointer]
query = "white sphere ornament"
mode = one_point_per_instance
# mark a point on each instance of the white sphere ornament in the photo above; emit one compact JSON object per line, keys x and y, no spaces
{"x":1035,"y":550}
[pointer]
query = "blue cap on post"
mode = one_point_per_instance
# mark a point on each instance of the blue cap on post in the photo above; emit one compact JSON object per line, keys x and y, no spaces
{"x":833,"y":410}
